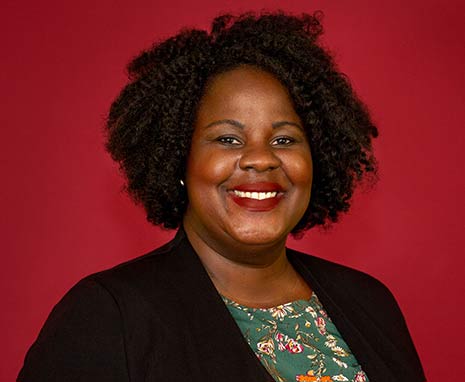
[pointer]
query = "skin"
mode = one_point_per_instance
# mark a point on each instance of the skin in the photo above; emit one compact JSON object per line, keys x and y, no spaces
{"x":247,"y":131}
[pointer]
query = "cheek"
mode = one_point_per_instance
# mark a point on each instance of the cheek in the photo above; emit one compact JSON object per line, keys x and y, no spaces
{"x":302,"y":178}
{"x":208,"y":169}
{"x":300,"y":170}
{"x":304,"y":172}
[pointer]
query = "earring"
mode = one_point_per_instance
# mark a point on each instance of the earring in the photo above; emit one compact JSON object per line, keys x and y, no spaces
{"x":182,"y":183}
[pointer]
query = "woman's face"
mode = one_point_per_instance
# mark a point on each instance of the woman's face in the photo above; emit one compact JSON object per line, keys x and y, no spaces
{"x":249,"y":171}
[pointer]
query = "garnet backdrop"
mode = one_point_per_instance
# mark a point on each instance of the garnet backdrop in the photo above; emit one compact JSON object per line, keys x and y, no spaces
{"x":63,"y":215}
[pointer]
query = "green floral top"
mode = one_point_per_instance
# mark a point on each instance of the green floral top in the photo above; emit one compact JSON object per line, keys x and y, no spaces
{"x":297,"y":342}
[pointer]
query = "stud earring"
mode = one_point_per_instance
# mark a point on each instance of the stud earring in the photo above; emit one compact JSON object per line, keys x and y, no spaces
{"x":182,"y":183}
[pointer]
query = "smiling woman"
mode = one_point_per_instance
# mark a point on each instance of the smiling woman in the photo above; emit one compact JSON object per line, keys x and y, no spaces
{"x":237,"y":138}
{"x":249,"y":179}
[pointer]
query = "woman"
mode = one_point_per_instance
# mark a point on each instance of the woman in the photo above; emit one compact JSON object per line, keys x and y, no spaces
{"x":238,"y":138}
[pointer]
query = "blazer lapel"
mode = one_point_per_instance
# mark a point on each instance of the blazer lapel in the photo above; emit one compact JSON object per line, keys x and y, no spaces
{"x":366,"y":340}
{"x":220,"y":352}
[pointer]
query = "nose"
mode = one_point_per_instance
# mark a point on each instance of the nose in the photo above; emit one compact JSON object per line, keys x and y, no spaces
{"x":259,"y":157}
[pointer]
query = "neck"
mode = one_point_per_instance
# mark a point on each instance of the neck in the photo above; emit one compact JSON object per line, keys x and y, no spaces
{"x":249,"y":275}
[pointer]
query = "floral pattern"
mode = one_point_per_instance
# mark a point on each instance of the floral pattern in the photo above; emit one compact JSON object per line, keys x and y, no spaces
{"x":297,"y":341}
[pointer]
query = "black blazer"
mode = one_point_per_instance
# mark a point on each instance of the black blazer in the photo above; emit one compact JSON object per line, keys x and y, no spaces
{"x":160,"y":318}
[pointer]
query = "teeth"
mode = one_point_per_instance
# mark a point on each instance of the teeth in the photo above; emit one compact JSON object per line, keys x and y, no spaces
{"x":255,"y":195}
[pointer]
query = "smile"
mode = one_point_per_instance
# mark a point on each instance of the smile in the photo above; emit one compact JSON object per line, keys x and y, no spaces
{"x":255,"y":195}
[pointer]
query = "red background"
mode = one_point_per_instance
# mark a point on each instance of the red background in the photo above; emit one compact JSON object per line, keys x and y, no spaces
{"x":63,"y":215}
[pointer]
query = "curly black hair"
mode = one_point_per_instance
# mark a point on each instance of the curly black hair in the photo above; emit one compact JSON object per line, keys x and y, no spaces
{"x":150,"y":124}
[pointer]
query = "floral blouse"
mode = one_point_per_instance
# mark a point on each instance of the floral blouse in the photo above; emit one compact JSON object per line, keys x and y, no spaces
{"x":297,"y":342}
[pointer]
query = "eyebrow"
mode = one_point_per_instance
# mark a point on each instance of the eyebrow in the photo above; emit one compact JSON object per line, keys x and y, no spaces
{"x":235,"y":123}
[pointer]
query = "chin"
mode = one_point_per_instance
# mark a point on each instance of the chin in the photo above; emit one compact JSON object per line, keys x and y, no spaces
{"x":260,"y":236}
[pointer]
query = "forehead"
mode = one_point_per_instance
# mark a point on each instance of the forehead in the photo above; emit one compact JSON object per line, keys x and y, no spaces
{"x":246,"y":88}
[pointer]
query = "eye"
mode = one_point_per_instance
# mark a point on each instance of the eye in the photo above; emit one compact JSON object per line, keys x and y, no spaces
{"x":283,"y":141}
{"x":229,"y":140}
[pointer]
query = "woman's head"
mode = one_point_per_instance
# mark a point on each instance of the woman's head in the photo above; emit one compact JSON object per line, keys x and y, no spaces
{"x":151,"y":123}
{"x":249,"y":171}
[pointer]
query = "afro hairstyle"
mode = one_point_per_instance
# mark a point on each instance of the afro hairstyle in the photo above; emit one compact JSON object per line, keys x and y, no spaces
{"x":150,"y":123}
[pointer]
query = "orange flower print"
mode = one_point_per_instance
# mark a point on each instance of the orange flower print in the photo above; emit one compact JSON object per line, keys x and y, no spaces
{"x":310,"y":377}
{"x":305,"y":378}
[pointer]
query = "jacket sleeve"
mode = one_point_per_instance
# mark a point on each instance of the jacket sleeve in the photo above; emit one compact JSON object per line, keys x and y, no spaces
{"x":82,"y":340}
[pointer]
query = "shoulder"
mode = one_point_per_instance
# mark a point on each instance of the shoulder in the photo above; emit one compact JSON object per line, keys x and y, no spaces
{"x":355,"y":293}
{"x":97,"y":290}
{"x":334,"y":276}
{"x":357,"y":300}
{"x":81,"y":339}
{"x":149,"y":275}
{"x":85,"y":335}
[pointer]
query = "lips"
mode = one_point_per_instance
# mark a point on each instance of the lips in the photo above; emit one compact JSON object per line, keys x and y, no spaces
{"x":257,"y":197}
